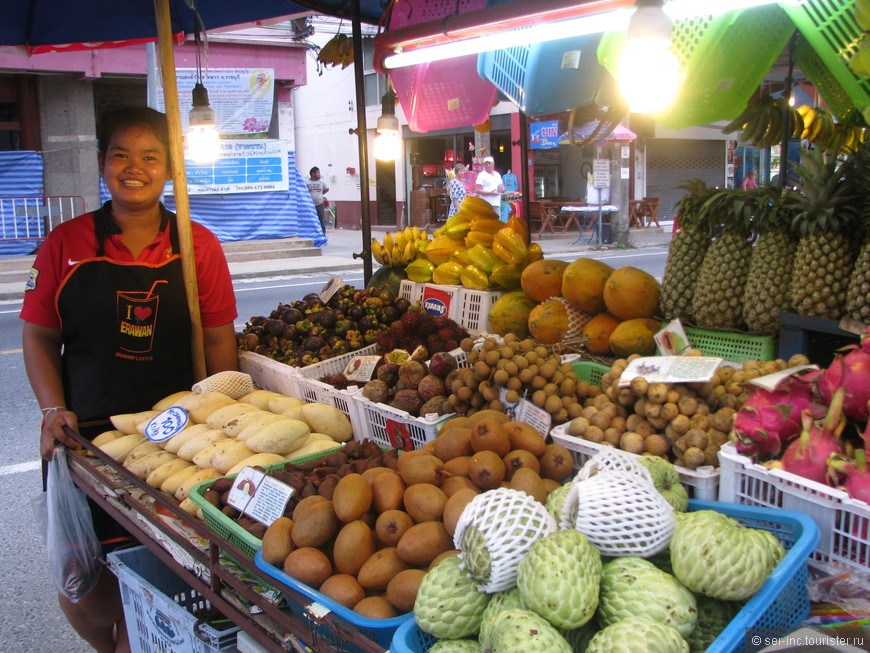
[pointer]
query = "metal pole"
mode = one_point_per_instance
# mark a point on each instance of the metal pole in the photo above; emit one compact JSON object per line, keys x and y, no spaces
{"x":362,"y":140}
{"x":786,"y":94}
{"x":524,"y":172}
{"x":179,"y":185}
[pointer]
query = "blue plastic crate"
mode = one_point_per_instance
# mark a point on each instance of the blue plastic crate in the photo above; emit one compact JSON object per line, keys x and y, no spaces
{"x":782,"y":602}
{"x":550,"y":77}
{"x":377,"y":630}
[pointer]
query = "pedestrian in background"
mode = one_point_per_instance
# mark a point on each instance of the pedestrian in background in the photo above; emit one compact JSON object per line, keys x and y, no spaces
{"x":456,"y":189}
{"x":318,"y":188}
{"x":489,"y":185}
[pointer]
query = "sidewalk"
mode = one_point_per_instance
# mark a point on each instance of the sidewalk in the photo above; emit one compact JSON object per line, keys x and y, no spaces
{"x":342,"y":244}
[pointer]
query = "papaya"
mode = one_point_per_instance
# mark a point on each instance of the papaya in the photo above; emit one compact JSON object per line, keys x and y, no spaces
{"x":583,"y":284}
{"x":630,"y":293}
{"x":542,"y":279}
{"x":634,"y":337}
{"x":390,"y":278}
{"x":548,"y":322}
{"x":510,"y":314}
{"x":597,"y":333}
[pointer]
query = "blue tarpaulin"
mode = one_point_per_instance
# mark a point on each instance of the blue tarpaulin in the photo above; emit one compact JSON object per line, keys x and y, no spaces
{"x":20,"y":176}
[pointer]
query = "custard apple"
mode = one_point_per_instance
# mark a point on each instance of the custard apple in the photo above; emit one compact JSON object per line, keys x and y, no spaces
{"x":637,"y":635}
{"x":448,"y":603}
{"x":456,"y":646}
{"x":495,"y":531}
{"x":498,"y":603}
{"x":634,"y":586}
{"x":715,"y":555}
{"x":559,"y":578}
{"x":667,"y":481}
{"x":524,"y":631}
{"x":713,"y":616}
{"x":556,"y":500}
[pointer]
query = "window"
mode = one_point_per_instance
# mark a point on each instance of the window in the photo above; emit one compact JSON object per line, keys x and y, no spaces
{"x":375,"y":84}
{"x":19,"y":113}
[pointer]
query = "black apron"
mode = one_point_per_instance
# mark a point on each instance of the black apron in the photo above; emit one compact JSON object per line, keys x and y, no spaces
{"x":126,"y":330}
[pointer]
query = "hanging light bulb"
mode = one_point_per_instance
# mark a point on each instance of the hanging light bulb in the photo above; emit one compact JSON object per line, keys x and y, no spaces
{"x":648,"y":70}
{"x":203,"y":140}
{"x":387,"y":140}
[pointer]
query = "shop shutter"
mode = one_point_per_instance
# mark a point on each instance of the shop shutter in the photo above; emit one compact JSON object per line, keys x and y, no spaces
{"x":671,"y":162}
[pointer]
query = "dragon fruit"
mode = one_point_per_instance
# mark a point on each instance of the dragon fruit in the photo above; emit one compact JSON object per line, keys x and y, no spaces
{"x":855,"y":472}
{"x":769,"y":420}
{"x":852,"y":372}
{"x":808,"y":455}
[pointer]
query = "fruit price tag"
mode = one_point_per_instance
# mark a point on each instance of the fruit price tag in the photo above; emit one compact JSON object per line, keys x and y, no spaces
{"x":671,"y":369}
{"x":771,"y":381}
{"x":537,"y":418}
{"x":166,"y":424}
{"x":330,"y":288}
{"x":361,"y":368}
{"x":261,"y":497}
{"x":672,"y":340}
{"x":399,"y":435}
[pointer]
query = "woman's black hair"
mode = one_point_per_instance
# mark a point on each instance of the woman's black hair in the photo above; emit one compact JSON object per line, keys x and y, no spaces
{"x":115,"y":119}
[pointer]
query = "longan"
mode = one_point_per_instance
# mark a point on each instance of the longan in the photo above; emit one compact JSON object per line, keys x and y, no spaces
{"x":489,"y":344}
{"x":512,"y":396}
{"x":539,"y":382}
{"x":511,"y":368}
{"x":521,"y":362}
{"x":525,"y":376}
{"x":500,"y":377}
{"x":527,"y":345}
{"x":506,"y":352}
{"x":553,"y":404}
{"x":491,"y":357}
{"x":514,"y":384}
{"x":466,"y":345}
{"x":547,"y":370}
{"x":465,"y":393}
{"x":539,"y":398}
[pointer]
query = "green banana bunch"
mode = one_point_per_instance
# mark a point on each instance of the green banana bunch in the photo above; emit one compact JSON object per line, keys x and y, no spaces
{"x":400,"y":248}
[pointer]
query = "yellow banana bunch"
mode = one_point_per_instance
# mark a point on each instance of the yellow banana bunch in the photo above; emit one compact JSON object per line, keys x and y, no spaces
{"x":338,"y":51}
{"x":401,"y":247}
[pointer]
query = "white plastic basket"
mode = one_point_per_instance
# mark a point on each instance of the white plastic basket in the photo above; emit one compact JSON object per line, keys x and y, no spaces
{"x":411,"y":290}
{"x":269,"y":374}
{"x":701,"y":483}
{"x":474,"y":309}
{"x":391,"y":427}
{"x":844,"y":523}
{"x":159,"y":607}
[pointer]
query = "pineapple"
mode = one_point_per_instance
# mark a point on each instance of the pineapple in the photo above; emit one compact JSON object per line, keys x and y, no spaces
{"x":718,"y":298}
{"x":825,"y":212}
{"x":858,"y":292}
{"x":685,"y":254}
{"x":770,"y":267}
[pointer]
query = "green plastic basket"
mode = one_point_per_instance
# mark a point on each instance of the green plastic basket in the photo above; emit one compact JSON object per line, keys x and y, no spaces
{"x":724,"y":59}
{"x":734,"y":346}
{"x":226,"y":527}
{"x":829,"y":38}
{"x":590,"y":371}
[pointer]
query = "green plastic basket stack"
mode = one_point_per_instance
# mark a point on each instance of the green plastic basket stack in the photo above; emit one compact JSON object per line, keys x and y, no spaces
{"x":829,"y":38}
{"x":724,"y":59}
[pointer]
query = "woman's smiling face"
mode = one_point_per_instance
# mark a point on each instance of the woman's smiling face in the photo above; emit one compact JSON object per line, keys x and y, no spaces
{"x":135,"y":168}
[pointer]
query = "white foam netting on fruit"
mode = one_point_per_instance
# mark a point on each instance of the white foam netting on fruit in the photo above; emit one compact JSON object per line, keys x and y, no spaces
{"x":494,"y":533}
{"x":620,"y":513}
{"x":613,"y":458}
{"x":231,"y":383}
{"x":577,"y":319}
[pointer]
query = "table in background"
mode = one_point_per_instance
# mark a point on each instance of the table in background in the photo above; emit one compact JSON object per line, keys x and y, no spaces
{"x":588,"y":211}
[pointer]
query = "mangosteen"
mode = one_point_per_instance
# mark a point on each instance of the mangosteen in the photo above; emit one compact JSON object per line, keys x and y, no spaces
{"x":410,"y":374}
{"x":258,"y":320}
{"x":391,"y":314}
{"x":291,"y":332}
{"x":251,"y":341}
{"x":299,"y":305}
{"x":388,"y":373}
{"x":407,"y":399}
{"x":430,"y":386}
{"x":268,"y":340}
{"x":341,"y":306}
{"x":291,"y":315}
{"x":317,"y":330}
{"x":366,"y":323}
{"x":376,"y":391}
{"x":312,"y":296}
{"x":355,"y":312}
{"x":437,"y":405}
{"x":341,"y":328}
{"x":442,"y":363}
{"x":360,"y":296}
{"x":402,"y":304}
{"x":313,"y":343}
{"x":327,"y":318}
{"x":332,"y":338}
{"x":386,"y":295}
{"x":325,"y":352}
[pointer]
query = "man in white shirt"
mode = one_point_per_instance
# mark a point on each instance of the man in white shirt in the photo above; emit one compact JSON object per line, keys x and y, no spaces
{"x":318,"y":188}
{"x":489,"y":184}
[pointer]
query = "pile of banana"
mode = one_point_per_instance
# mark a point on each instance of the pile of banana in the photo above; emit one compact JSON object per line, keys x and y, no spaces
{"x":475,"y":249}
{"x":338,"y":51}
{"x":761,"y":125}
{"x":400,"y":248}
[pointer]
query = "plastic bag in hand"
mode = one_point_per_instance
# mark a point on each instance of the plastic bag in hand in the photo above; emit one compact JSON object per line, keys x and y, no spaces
{"x":73,"y":548}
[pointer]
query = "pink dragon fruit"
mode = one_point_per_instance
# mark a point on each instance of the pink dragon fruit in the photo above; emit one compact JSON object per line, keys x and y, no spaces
{"x":852,"y":372}
{"x":768,"y":421}
{"x":808,"y":455}
{"x":855,"y":472}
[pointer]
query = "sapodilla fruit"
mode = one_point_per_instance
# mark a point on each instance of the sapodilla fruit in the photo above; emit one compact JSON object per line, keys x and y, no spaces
{"x":489,"y":435}
{"x":486,"y":469}
{"x":556,"y":462}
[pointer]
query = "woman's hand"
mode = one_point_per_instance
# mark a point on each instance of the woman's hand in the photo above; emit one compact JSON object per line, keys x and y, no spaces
{"x":53,"y":431}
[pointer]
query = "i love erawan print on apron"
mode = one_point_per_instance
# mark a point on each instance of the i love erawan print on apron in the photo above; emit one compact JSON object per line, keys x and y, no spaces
{"x":126,"y":332}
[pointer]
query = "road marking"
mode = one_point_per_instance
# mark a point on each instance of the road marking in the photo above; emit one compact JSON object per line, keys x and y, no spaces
{"x":287,"y":285}
{"x":20,"y":468}
{"x":12,"y":351}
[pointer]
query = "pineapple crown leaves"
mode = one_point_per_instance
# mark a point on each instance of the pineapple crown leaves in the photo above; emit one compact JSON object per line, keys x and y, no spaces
{"x":826,"y":200}
{"x":772,"y":211}
{"x":688,"y":207}
{"x":731,"y":210}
